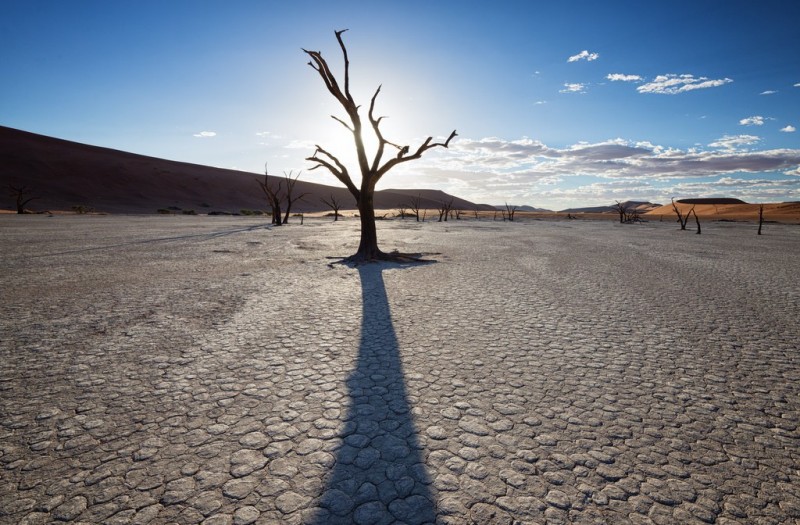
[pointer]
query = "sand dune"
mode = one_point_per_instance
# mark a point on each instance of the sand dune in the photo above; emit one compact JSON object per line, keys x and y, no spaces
{"x":64,"y":174}
{"x":779,"y":212}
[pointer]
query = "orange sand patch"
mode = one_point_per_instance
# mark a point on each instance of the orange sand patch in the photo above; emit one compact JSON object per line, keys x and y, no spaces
{"x":788,"y":212}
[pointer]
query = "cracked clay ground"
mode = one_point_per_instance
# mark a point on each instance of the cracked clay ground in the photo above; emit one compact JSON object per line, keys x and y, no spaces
{"x":211,"y":370}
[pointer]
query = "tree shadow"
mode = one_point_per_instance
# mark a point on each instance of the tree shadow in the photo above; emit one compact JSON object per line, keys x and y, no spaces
{"x":379,"y":475}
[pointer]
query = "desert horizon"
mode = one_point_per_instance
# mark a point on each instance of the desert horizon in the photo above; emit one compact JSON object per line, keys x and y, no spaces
{"x":68,"y":177}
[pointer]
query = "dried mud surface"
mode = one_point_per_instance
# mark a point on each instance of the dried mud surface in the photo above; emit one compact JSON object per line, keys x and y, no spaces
{"x":213,"y":370}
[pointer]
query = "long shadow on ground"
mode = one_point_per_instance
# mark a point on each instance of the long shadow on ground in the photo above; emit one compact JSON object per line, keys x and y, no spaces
{"x":379,"y":476}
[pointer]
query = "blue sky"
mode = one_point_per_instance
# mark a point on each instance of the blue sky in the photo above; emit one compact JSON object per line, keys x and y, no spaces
{"x":556,"y":104}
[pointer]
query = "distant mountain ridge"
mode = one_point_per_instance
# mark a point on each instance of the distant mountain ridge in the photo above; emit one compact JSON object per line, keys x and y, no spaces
{"x":642,"y":207}
{"x":523,"y":207}
{"x":63,"y":174}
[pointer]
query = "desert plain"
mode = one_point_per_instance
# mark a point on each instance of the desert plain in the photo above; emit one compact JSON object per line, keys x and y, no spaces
{"x":216,"y":370}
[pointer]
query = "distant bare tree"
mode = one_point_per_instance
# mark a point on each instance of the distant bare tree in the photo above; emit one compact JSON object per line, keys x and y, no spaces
{"x":511,"y":209}
{"x":627,"y":213}
{"x":622,"y":209}
{"x":21,"y":195}
{"x":476,"y":212}
{"x":760,"y":217}
{"x":290,"y":196}
{"x":458,"y":214}
{"x":444,"y":209}
{"x":681,"y":218}
{"x":276,"y":195}
{"x":414,"y":204}
{"x":333,"y":204}
{"x":403,"y":209}
{"x":696,"y":219}
{"x":273,"y":193}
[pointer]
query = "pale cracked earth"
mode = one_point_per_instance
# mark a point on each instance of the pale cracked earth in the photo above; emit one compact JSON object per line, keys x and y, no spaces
{"x":211,"y":370}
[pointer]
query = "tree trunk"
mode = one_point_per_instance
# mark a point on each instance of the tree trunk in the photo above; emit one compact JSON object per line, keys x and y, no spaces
{"x":276,"y":214}
{"x":368,"y":247}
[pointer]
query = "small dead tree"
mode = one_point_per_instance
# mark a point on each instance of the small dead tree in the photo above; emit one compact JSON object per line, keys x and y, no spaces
{"x":681,"y":218}
{"x":334,"y":204}
{"x":21,"y":195}
{"x":475,"y":211}
{"x":372,"y":170}
{"x":760,"y":217}
{"x":458,"y":214}
{"x":290,"y":196}
{"x":414,"y":204}
{"x":511,"y":209}
{"x":696,"y":220}
{"x":622,"y":209}
{"x":444,"y":209}
{"x":273,"y":193}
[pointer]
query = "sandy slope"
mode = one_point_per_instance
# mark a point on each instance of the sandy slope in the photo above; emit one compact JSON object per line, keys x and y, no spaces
{"x":64,"y":174}
{"x":780,"y":212}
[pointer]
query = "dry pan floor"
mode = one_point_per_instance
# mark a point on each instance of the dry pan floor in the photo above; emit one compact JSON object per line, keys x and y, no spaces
{"x":212,"y":370}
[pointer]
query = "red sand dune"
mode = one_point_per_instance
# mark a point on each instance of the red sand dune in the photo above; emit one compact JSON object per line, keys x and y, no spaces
{"x":788,"y":212}
{"x":64,"y":174}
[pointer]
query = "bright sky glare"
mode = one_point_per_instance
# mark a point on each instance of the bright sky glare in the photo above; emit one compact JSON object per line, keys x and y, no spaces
{"x":557,"y":104}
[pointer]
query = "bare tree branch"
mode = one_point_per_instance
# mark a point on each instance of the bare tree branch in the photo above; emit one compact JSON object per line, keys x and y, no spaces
{"x":391,"y":163}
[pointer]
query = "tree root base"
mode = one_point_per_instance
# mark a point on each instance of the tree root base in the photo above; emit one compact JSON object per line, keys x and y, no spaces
{"x":360,"y":259}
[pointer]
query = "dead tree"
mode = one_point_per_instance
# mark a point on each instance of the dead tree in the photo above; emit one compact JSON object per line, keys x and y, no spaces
{"x":333,"y":204}
{"x":372,"y":170}
{"x":760,"y":217}
{"x":696,"y":220}
{"x":511,"y":211}
{"x":458,"y":213}
{"x":476,"y":212}
{"x":622,"y":209}
{"x":290,"y":197}
{"x":681,"y":218}
{"x":273,"y":193}
{"x":414,"y":204}
{"x":21,"y":195}
{"x":444,"y":209}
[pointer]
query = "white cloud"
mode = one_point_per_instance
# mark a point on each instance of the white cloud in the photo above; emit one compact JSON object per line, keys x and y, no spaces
{"x":540,"y":103}
{"x":797,"y":85}
{"x":735,"y":142}
{"x":205,"y":134}
{"x":789,"y":129}
{"x":528,"y":171}
{"x":573,"y":88}
{"x":755,"y":120}
{"x":619,"y":77}
{"x":584,"y":55}
{"x":300,"y":144}
{"x":768,"y":92}
{"x":531,"y":160}
{"x":674,"y":84}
